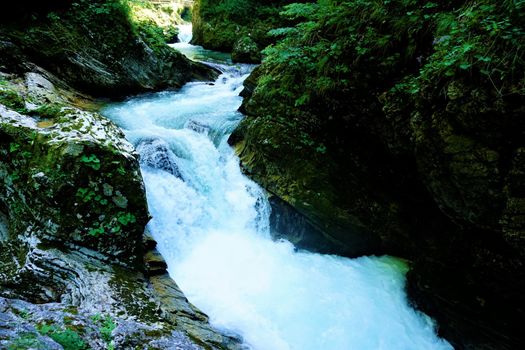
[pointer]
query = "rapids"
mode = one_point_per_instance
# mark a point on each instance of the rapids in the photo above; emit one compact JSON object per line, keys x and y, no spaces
{"x":212,"y":226}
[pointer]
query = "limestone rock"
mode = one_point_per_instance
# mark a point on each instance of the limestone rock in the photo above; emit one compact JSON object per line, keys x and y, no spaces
{"x":96,"y":304}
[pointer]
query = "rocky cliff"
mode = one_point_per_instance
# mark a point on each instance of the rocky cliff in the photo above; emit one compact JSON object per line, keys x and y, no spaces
{"x":402,"y":134}
{"x":94,"y":46}
{"x":76,"y":269}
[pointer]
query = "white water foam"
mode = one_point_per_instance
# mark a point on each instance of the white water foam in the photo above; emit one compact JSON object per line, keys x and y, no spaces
{"x":185,"y":33}
{"x":211,"y":223}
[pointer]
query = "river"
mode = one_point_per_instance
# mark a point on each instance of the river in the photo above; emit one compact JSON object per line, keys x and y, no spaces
{"x":212,"y":226}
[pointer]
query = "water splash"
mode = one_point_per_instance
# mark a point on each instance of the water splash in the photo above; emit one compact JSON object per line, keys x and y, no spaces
{"x":195,"y":52}
{"x":185,"y":33}
{"x":211,"y":223}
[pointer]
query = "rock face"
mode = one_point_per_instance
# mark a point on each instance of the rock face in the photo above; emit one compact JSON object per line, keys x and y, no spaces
{"x":77,"y":300}
{"x":76,"y":270}
{"x":94,"y":47}
{"x":448,"y":195}
{"x":402,"y":157}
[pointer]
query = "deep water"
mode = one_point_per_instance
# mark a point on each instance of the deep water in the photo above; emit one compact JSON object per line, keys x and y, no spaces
{"x":211,"y":223}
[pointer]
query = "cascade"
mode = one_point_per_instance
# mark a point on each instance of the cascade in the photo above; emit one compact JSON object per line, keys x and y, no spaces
{"x":212,"y":226}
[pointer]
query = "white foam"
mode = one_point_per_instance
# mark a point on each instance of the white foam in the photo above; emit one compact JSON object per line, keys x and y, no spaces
{"x":185,"y":33}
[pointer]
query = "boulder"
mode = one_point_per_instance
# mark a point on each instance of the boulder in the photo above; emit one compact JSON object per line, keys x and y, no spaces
{"x":73,"y":179}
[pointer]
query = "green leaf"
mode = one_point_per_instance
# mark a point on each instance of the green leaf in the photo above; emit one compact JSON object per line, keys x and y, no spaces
{"x":13,"y":147}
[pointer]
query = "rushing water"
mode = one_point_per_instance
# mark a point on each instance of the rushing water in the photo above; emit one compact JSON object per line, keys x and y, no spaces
{"x":211,"y":223}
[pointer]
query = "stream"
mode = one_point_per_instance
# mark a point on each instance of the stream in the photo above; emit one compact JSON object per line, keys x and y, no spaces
{"x":211,"y":223}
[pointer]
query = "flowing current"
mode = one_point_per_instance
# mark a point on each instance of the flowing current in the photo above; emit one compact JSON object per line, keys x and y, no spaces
{"x":212,"y":226}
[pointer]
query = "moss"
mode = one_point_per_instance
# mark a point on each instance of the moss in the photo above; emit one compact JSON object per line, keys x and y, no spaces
{"x":50,"y":111}
{"x":132,"y":294}
{"x":25,"y":341}
{"x":12,"y":99}
{"x":57,"y":187}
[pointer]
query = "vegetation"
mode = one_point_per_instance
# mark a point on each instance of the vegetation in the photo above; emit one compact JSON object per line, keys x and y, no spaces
{"x":156,"y":24}
{"x":10,"y":98}
{"x":422,"y":40}
{"x":102,"y":47}
{"x":68,"y":338}
{"x":107,"y":325}
{"x":401,"y":51}
{"x":219,"y":24}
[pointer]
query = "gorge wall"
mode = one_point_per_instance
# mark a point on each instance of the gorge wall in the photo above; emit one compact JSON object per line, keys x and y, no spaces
{"x":94,"y":46}
{"x":237,"y":26}
{"x":396,"y":128}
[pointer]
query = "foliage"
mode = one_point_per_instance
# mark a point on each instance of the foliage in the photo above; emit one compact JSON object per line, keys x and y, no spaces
{"x":91,"y":161}
{"x":482,"y":37}
{"x":68,"y":338}
{"x":232,"y":9}
{"x":185,"y":13}
{"x":107,"y":325}
{"x":155,"y":24}
{"x":335,"y":50}
{"x":218,"y":24}
{"x":12,"y":99}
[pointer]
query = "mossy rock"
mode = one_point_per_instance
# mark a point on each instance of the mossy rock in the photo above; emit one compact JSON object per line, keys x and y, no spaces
{"x":97,"y":47}
{"x":218,"y":25}
{"x":76,"y":181}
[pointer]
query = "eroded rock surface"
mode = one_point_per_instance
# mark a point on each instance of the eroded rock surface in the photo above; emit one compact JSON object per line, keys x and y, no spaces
{"x":97,"y":304}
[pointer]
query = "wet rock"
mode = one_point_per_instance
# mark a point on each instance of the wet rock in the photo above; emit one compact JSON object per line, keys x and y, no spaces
{"x":435,"y":176}
{"x":39,"y":89}
{"x":157,"y":154}
{"x":98,"y":58}
{"x":287,"y":223}
{"x":98,"y":304}
{"x":148,"y":240}
{"x":173,"y":300}
{"x":154,"y":263}
{"x":198,"y":127}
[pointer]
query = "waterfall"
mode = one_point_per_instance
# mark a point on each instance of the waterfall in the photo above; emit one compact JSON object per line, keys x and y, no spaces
{"x":211,"y":224}
{"x":185,"y":33}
